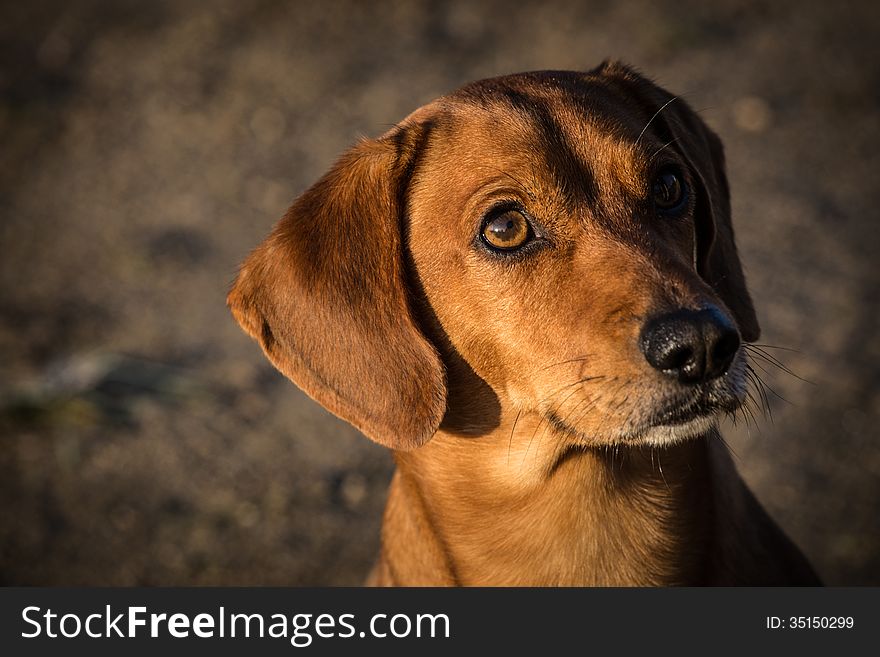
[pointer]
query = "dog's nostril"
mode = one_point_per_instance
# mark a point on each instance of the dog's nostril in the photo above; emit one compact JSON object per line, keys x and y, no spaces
{"x":676,"y":358}
{"x":725,"y":348}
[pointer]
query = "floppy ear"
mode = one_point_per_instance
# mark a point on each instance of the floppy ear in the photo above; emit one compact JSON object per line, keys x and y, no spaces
{"x":325,"y":295}
{"x":715,"y":254}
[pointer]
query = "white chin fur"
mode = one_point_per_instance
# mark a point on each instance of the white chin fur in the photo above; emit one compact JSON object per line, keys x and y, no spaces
{"x":669,"y":434}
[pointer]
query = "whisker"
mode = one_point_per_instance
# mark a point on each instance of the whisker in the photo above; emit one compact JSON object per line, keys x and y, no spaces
{"x":660,"y":467}
{"x":567,"y":397}
{"x":757,"y":350}
{"x":575,"y":385}
{"x":770,"y":360}
{"x":762,"y":385}
{"x":745,"y":421}
{"x":772,"y":346}
{"x":759,"y":387}
{"x":757,"y":364}
{"x":651,"y":120}
{"x":762,"y":388}
{"x":587,"y":401}
{"x":762,"y":402}
{"x":541,"y":421}
{"x":731,"y":415}
{"x":531,"y":438}
{"x":590,"y":406}
{"x":755,"y":411}
{"x":510,"y":440}
{"x":543,"y":418}
{"x":749,"y":416}
{"x":569,"y":385}
{"x":767,"y":386}
{"x":750,"y":396}
{"x":613,"y":398}
{"x":565,"y":362}
{"x":659,"y":150}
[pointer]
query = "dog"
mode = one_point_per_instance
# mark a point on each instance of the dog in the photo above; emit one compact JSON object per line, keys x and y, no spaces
{"x":530,"y":292}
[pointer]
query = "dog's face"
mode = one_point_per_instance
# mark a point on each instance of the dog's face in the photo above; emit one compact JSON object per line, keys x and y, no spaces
{"x":566,"y":235}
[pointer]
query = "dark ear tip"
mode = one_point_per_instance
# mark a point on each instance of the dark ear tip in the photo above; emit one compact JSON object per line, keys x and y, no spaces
{"x":751,"y":335}
{"x":749,"y":329}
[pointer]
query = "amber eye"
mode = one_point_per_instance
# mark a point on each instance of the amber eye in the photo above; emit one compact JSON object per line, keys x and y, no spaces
{"x":668,"y":191}
{"x":506,"y":231}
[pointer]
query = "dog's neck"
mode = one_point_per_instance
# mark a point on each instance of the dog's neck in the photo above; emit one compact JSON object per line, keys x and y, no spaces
{"x":533,"y":512}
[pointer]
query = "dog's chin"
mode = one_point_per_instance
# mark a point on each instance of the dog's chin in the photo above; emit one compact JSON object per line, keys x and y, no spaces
{"x":662,"y":435}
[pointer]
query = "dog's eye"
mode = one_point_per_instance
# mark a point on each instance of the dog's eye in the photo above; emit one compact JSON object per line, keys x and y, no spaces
{"x":506,"y":231}
{"x":668,"y":191}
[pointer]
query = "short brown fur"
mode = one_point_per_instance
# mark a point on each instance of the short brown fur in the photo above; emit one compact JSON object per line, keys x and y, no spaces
{"x":522,"y":416}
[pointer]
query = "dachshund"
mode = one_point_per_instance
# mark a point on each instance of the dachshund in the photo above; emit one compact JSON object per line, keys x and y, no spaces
{"x":530,"y":292}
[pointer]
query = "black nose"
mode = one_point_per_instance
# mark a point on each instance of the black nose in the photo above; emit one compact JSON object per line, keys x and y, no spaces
{"x":691,"y":345}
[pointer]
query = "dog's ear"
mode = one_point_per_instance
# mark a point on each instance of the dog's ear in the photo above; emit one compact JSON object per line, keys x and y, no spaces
{"x":326,"y":296}
{"x":715,"y":255}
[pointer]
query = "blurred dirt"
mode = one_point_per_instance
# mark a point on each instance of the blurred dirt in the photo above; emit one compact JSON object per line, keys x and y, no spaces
{"x":146,"y":147}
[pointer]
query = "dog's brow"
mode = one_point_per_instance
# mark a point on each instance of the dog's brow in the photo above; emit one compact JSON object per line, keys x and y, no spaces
{"x":503,"y":177}
{"x":569,"y":171}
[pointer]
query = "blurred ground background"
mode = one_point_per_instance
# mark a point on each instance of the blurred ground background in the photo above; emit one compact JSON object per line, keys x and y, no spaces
{"x":146,"y":147}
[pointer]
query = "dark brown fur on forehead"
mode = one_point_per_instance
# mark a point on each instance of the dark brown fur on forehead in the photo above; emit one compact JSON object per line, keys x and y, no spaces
{"x":612,"y":96}
{"x":567,"y":111}
{"x":514,"y":93}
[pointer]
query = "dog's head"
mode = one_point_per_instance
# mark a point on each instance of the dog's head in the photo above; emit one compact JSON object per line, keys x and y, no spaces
{"x":564,"y":238}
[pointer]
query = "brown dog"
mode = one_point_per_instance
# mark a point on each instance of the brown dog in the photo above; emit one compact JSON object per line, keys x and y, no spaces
{"x":529,"y":291}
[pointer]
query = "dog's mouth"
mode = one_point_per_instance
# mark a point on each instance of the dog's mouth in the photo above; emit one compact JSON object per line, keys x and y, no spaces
{"x":680,"y":417}
{"x":661,"y":415}
{"x":689,"y":417}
